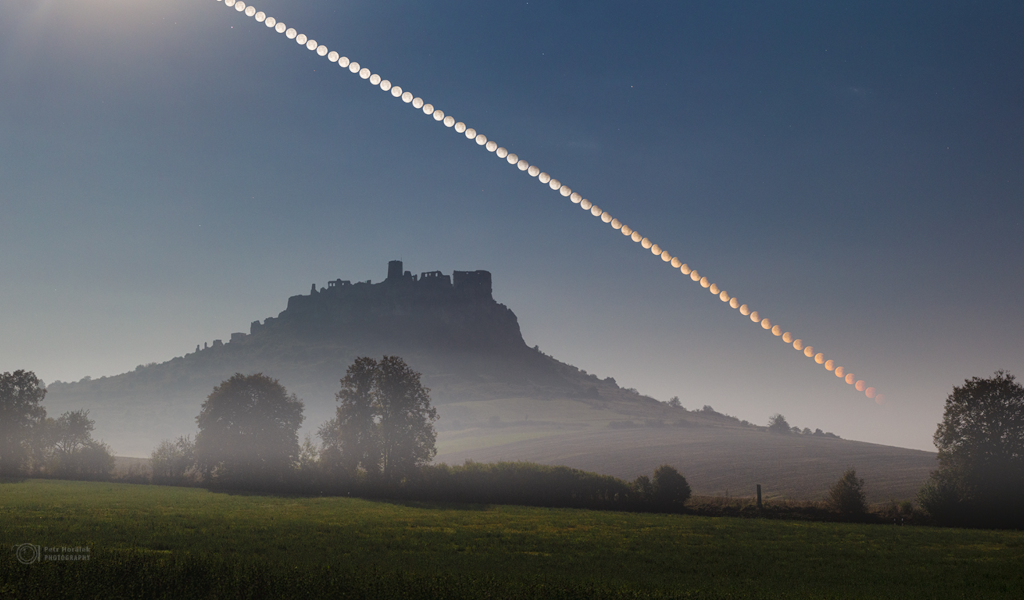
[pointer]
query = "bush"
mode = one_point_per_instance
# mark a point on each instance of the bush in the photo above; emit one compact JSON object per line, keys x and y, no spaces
{"x":846,"y":496}
{"x":670,"y":487}
{"x":174,"y":462}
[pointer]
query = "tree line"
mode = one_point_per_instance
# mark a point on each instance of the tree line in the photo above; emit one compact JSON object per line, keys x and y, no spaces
{"x":379,"y":443}
{"x":32,"y":443}
{"x":382,"y":439}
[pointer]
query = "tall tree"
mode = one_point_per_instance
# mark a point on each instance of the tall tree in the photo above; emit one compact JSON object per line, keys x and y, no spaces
{"x":384,"y":422}
{"x":248,"y":432}
{"x":352,"y":439}
{"x":20,"y":395}
{"x":406,"y":419}
{"x":980,"y":479}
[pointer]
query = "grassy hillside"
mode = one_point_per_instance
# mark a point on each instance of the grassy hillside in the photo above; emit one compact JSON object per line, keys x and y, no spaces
{"x":718,"y":455}
{"x":151,"y":541}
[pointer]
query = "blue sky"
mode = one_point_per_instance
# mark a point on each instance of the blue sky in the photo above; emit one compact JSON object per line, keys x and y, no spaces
{"x":172,"y":171}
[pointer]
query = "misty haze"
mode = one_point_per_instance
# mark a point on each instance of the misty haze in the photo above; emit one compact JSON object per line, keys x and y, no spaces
{"x":650,"y":300}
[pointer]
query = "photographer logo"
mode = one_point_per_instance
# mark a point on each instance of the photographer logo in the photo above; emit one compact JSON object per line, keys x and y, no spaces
{"x":33,"y":553}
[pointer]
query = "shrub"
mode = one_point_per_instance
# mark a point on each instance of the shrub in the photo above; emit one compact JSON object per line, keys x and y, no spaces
{"x":174,"y":462}
{"x":670,"y":487}
{"x":846,"y":496}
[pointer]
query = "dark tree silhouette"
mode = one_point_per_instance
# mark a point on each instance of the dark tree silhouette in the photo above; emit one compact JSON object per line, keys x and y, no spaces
{"x":777,"y":424}
{"x":72,"y":451}
{"x":20,"y":412}
{"x":63,"y":447}
{"x":384,"y":422}
{"x":980,"y":480}
{"x":670,"y":487}
{"x":846,"y":496}
{"x":352,"y":439}
{"x":71,"y":432}
{"x":406,"y":419}
{"x":248,"y":432}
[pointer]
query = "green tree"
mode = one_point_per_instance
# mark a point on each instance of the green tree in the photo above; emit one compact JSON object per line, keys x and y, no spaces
{"x":20,"y":412}
{"x":670,"y":488}
{"x":248,"y":432}
{"x":846,"y":496}
{"x":384,"y":421}
{"x":980,"y":480}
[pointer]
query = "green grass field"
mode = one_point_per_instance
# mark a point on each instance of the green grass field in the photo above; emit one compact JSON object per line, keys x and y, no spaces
{"x":152,"y":541}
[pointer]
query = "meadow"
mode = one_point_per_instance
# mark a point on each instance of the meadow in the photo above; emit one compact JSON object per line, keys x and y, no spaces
{"x":154,"y":541}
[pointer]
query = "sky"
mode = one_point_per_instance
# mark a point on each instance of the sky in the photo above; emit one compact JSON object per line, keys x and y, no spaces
{"x":171,"y":171}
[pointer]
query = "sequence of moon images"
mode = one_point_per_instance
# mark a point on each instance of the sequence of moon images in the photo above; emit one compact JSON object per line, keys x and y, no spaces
{"x":557,"y":186}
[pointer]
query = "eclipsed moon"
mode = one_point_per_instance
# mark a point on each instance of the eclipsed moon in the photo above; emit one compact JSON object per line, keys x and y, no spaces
{"x":554,"y":184}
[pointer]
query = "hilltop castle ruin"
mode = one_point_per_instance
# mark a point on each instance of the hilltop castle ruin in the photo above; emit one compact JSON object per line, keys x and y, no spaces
{"x":429,"y":309}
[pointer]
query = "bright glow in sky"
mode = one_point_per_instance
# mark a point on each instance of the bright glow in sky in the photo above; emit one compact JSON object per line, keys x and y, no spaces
{"x":173,"y":171}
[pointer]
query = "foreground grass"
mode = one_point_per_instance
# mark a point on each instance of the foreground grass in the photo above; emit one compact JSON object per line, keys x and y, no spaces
{"x":152,"y":541}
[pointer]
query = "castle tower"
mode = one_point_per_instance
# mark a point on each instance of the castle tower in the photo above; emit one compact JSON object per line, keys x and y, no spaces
{"x":394,"y":270}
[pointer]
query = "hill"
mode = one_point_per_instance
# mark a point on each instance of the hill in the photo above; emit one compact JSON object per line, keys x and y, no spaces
{"x":719,"y":455}
{"x":449,"y":328}
{"x":497,"y":397}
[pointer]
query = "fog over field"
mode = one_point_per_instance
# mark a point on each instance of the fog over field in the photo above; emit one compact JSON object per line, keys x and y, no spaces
{"x":173,"y":171}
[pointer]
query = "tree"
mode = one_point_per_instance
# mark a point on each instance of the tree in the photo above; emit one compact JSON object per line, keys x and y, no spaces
{"x":352,"y":438}
{"x":980,"y":480}
{"x":384,"y":421}
{"x":643,"y":488}
{"x":846,"y":496}
{"x":406,"y":419}
{"x":674,"y":402}
{"x":65,"y":447}
{"x":174,"y":461}
{"x":248,"y":432}
{"x":670,"y":487}
{"x":20,"y":412}
{"x":777,"y":424}
{"x":71,"y":432}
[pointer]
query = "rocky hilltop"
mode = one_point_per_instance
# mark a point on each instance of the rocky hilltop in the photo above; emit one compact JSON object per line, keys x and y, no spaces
{"x":498,"y":398}
{"x":467,"y":346}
